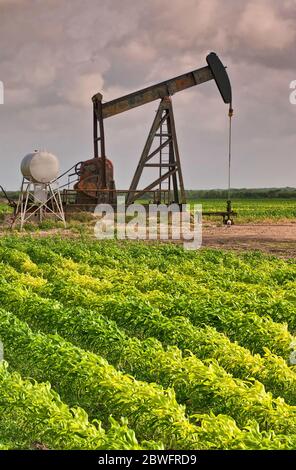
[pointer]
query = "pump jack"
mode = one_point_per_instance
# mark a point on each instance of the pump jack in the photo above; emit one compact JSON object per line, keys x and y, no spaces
{"x":95,"y":177}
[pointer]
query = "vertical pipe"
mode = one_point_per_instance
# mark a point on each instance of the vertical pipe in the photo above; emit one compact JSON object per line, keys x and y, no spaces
{"x":95,"y":133}
{"x":102,"y":141}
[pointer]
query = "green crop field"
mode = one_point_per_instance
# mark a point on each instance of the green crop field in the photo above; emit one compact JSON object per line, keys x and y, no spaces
{"x":113,"y":345}
{"x":254,"y":210}
{"x":249,"y":210}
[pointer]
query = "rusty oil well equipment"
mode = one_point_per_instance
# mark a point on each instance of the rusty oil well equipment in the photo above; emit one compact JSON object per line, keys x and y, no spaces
{"x":93,"y":181}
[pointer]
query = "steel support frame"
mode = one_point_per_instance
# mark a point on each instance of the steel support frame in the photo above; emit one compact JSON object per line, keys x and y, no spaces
{"x":174,"y":174}
{"x":52,"y":204}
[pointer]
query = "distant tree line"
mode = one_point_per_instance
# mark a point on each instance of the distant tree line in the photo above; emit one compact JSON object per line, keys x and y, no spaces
{"x":242,"y":193}
{"x":14,"y":195}
{"x":236,"y":193}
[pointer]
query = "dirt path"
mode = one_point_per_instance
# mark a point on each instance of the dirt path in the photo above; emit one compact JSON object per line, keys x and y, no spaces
{"x":276,"y":239}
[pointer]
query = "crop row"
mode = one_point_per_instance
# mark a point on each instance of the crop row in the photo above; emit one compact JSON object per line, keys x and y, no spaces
{"x":202,"y":388}
{"x":254,"y":283}
{"x":141,"y":319}
{"x":204,"y":265}
{"x":70,"y":368}
{"x":202,"y":305}
{"x":85,"y":379}
{"x":33,"y":412}
{"x":246,"y":274}
{"x":247,"y":328}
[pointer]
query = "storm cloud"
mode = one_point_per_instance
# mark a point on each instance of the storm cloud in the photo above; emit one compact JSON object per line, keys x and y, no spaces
{"x":55,"y":54}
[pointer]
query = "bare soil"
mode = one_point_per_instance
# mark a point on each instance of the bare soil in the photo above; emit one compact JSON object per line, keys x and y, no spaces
{"x":275,"y":239}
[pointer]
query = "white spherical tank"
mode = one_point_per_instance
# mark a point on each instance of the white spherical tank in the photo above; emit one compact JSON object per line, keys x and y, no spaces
{"x":40,"y":167}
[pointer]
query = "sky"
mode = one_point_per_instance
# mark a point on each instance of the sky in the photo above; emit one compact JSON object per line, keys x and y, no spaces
{"x":55,"y":54}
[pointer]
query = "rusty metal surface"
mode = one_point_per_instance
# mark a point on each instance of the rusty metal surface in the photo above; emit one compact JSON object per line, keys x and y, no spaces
{"x":91,"y":176}
{"x":154,"y":92}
